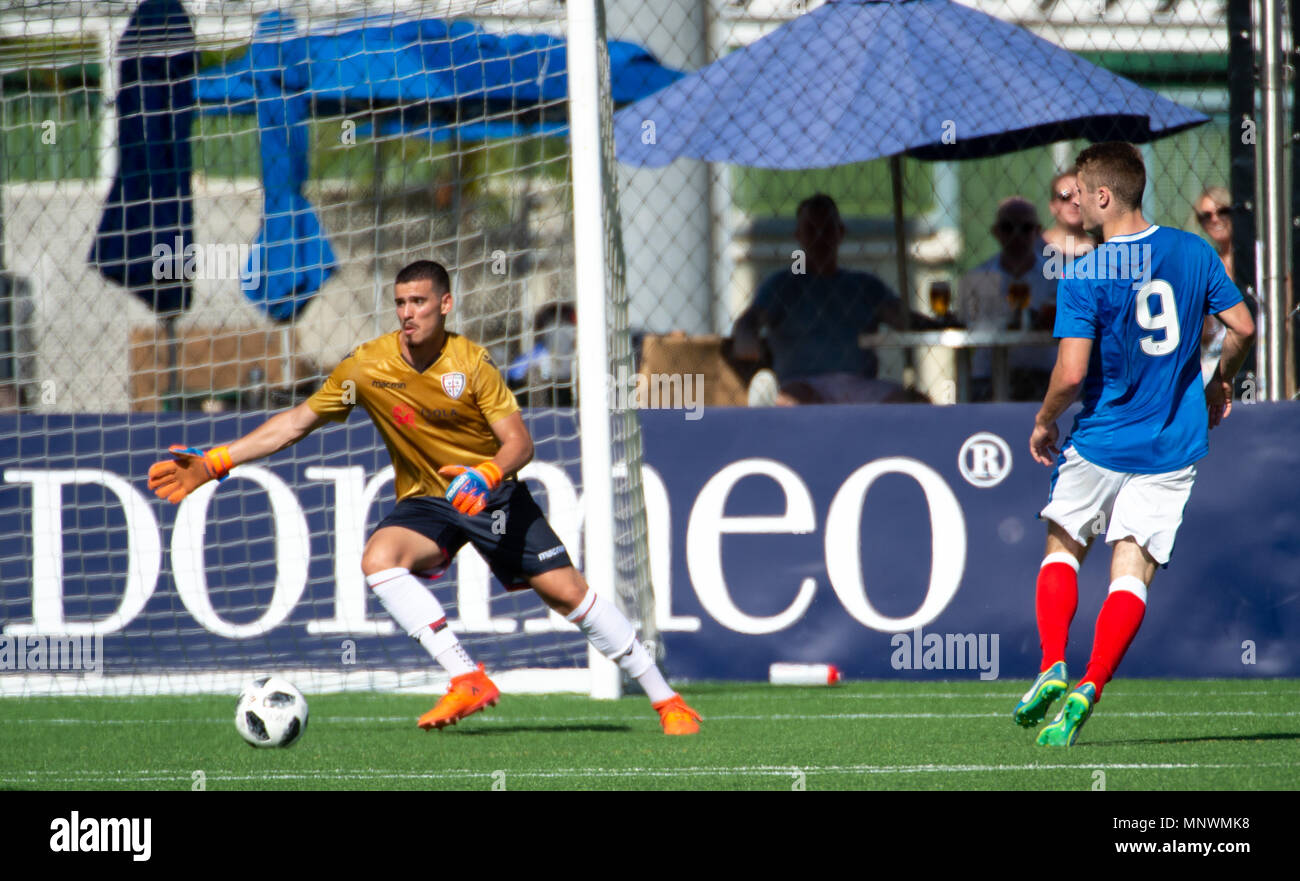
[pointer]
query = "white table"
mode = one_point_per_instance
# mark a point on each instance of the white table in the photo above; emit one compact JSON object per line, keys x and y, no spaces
{"x":962,"y":342}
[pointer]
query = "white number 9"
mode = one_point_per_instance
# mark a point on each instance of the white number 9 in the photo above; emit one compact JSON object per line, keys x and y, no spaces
{"x":1166,"y":320}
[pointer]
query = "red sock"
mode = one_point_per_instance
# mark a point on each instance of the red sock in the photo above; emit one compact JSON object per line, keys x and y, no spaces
{"x":1117,"y":623}
{"x":1056,"y":599}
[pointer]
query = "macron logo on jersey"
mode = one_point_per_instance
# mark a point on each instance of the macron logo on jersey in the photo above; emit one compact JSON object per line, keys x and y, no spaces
{"x":453,"y":384}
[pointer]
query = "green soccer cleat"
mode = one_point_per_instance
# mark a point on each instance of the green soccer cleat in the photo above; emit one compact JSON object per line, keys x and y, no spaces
{"x":1049,"y":685}
{"x":1069,"y":722}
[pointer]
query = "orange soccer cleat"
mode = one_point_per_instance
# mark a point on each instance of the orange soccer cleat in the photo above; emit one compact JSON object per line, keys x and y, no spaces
{"x":676,"y":717}
{"x":469,"y":693}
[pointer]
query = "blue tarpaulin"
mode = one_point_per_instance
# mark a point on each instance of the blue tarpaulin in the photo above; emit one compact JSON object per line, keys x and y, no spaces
{"x":456,"y":65}
{"x":291,"y":258}
{"x":432,"y":78}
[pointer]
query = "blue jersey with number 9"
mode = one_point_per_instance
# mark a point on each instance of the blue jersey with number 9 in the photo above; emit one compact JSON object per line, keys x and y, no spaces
{"x":1142,"y":300}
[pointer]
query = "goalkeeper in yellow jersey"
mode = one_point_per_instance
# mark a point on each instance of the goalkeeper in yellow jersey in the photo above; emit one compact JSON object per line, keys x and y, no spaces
{"x":457,"y":441}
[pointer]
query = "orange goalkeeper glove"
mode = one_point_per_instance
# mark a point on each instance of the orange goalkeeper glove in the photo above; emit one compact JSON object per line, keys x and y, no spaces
{"x":468,"y":493}
{"x":189,"y":469}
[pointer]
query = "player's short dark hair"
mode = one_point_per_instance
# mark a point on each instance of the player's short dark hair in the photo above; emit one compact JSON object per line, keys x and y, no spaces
{"x":426,"y":270}
{"x":1118,"y":166}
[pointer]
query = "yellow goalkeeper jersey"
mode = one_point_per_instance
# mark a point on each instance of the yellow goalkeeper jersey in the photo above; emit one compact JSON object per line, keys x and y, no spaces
{"x":440,"y":417}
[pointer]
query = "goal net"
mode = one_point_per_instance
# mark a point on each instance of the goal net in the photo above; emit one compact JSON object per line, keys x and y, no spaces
{"x":203,"y":206}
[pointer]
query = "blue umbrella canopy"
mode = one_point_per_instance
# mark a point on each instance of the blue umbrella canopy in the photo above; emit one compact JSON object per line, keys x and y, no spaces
{"x":856,"y":80}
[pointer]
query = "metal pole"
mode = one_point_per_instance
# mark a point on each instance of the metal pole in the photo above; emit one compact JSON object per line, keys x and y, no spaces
{"x":1292,"y":322}
{"x":1274,"y":213}
{"x":900,"y":238}
{"x":108,"y":104}
{"x":1245,"y":199}
{"x":378,"y":171}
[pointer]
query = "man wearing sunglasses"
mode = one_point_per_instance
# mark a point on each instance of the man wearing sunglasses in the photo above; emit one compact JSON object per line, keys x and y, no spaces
{"x":1067,"y":234}
{"x":1013,"y":288}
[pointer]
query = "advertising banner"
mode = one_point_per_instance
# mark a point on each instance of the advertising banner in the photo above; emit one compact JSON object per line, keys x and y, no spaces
{"x":891,"y":541}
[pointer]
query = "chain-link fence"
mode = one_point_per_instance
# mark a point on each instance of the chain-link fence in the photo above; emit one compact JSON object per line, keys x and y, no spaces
{"x":711,"y":246}
{"x":276,"y":205}
{"x":382,"y":187}
{"x":701,"y":238}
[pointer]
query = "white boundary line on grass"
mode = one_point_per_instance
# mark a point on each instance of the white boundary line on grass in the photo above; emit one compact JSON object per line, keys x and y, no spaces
{"x":711,"y":717}
{"x":812,"y":693}
{"x":188,"y":683}
{"x":369,"y":774}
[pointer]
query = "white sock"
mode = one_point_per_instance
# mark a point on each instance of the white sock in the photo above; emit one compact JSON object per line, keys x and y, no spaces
{"x":1132,"y":584}
{"x":441,"y":641}
{"x":650,"y":678}
{"x":1061,"y":557}
{"x":418,"y":612}
{"x":611,"y":633}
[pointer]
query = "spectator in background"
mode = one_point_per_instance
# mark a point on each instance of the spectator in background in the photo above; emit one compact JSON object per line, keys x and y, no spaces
{"x":810,"y":317}
{"x":1214,"y":213}
{"x":1012,"y":289}
{"x":543,"y":377}
{"x":1067,"y":234}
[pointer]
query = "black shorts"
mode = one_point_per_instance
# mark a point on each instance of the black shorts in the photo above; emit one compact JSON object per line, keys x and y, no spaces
{"x":511,"y":533}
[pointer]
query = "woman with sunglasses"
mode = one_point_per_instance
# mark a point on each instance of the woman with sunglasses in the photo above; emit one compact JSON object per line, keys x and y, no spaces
{"x":1214,"y":213}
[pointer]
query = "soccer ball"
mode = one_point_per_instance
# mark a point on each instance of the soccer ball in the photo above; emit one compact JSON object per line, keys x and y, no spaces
{"x":271,"y":713}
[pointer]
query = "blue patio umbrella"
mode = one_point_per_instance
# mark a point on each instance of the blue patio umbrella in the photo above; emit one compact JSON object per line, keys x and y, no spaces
{"x":149,"y":213}
{"x":856,"y":80}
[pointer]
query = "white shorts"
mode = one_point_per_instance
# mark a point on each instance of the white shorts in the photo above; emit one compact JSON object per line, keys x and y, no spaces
{"x":1086,"y":500}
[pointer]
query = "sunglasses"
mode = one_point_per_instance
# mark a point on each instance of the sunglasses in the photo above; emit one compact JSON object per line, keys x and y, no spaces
{"x":1222,"y":213}
{"x":1006,"y":227}
{"x":1064,"y":195}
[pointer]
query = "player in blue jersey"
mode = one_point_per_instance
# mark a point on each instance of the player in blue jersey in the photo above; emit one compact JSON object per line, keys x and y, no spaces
{"x":1128,"y":317}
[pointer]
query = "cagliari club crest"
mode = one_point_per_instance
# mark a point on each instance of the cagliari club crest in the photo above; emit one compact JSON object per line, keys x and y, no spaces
{"x":453,"y":384}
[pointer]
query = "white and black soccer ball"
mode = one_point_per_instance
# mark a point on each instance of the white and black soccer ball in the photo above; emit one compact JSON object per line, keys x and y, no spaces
{"x":271,"y":713}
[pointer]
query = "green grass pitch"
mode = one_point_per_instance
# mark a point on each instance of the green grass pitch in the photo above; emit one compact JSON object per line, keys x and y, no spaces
{"x":1145,"y":734}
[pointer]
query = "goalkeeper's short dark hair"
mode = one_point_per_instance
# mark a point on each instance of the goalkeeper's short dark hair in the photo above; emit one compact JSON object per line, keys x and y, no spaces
{"x":426,"y":270}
